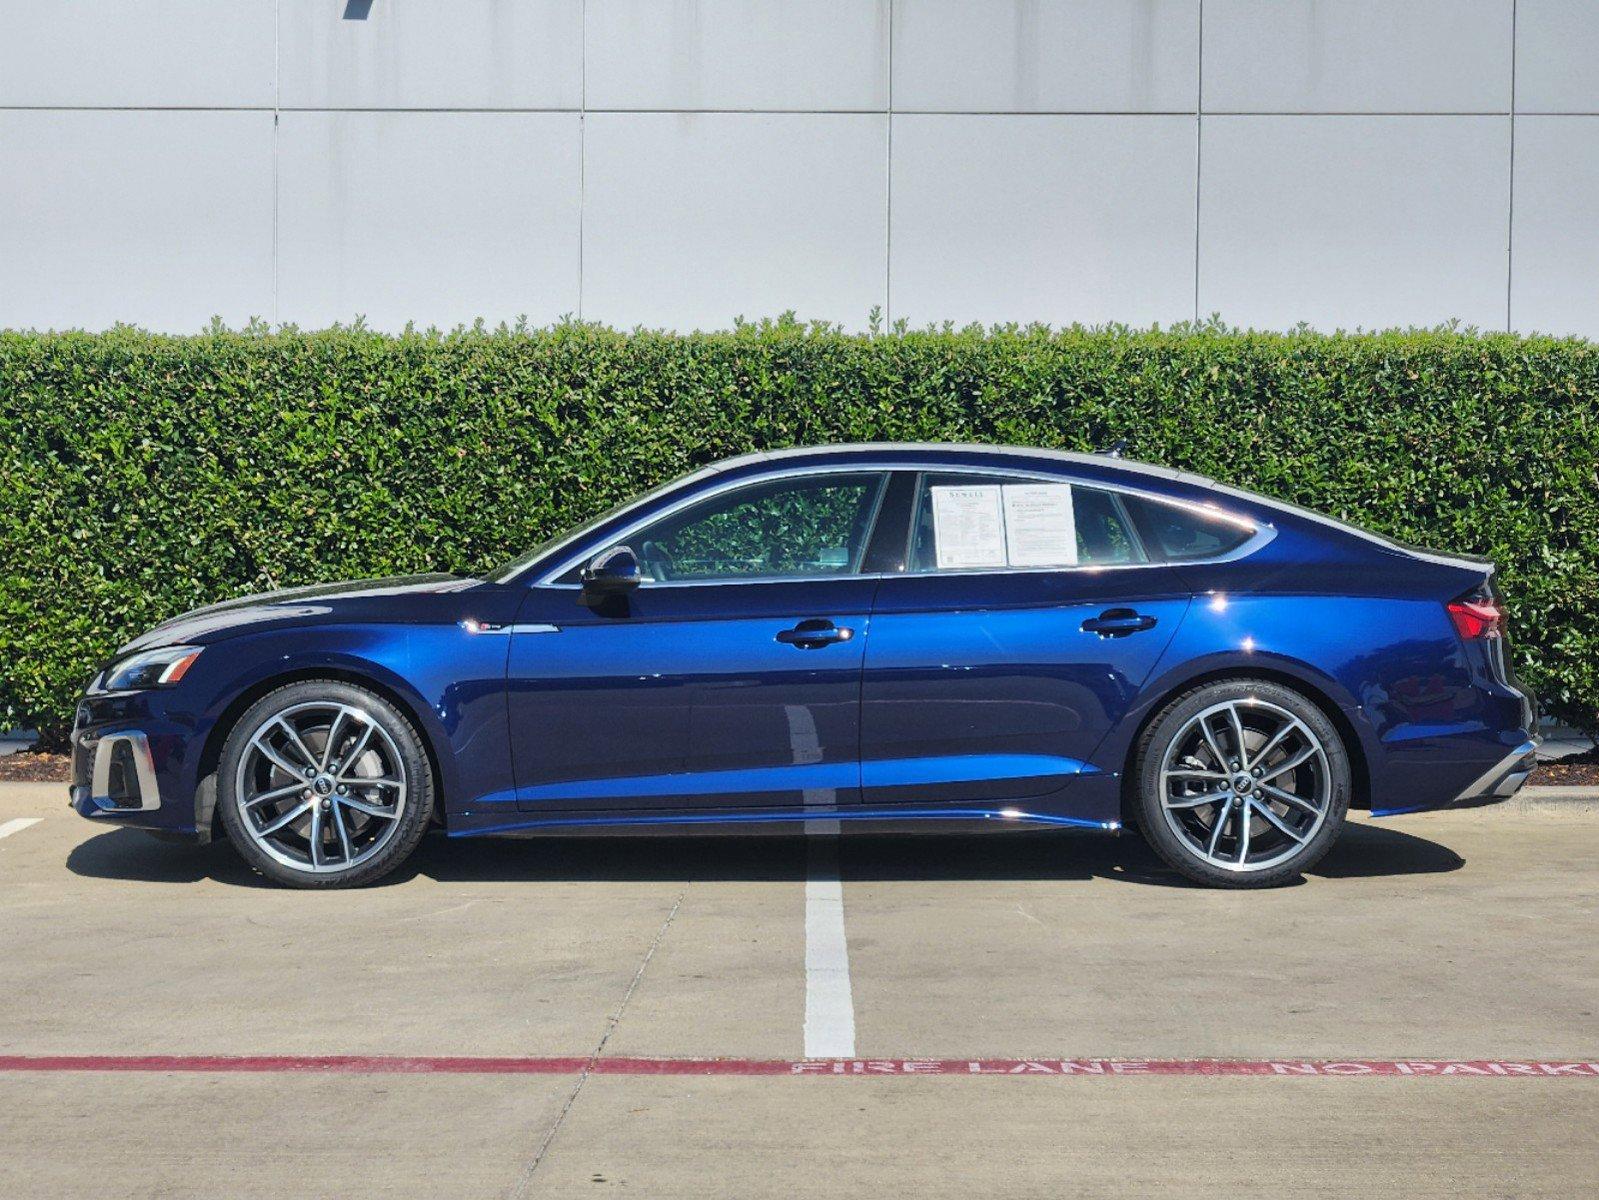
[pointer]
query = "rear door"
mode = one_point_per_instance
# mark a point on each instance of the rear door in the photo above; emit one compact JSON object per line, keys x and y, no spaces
{"x":1027,"y":618}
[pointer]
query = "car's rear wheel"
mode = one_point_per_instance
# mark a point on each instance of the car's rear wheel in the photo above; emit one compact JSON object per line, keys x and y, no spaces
{"x":1242,"y":783}
{"x":324,"y":784}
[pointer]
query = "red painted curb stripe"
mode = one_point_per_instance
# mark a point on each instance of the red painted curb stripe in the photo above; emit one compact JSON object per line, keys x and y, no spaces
{"x":354,"y":1064}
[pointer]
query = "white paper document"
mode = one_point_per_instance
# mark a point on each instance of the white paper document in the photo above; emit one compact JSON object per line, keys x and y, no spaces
{"x":997,"y":525}
{"x":968,"y":527}
{"x":1039,"y":531}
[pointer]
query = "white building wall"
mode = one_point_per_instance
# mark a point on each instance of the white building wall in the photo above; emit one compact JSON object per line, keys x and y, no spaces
{"x":681,"y":163}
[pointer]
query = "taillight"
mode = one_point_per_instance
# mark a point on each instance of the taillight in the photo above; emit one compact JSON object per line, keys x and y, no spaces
{"x":1476,"y":617}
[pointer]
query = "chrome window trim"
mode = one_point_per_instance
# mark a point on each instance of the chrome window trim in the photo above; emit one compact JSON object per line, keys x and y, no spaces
{"x":479,"y":628}
{"x":1263,"y":532}
{"x":711,"y":470}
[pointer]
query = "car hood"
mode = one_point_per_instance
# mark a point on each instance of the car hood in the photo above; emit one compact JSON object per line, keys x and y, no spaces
{"x":216,"y":621}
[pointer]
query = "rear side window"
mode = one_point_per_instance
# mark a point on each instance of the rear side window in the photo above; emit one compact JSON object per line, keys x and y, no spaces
{"x":1105,"y":535}
{"x":987,"y":522}
{"x":1183,"y":534}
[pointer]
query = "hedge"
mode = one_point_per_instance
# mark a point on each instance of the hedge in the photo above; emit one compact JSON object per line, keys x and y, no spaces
{"x":143,"y":475}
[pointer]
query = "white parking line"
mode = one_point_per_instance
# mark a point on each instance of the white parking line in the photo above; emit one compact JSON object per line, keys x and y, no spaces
{"x":829,"y":1003}
{"x":17,"y":825}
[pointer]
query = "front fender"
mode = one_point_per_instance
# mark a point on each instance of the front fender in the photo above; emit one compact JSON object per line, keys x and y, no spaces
{"x":450,"y":682}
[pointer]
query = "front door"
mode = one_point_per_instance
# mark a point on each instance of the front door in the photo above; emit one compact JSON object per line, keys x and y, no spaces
{"x":729,"y":678}
{"x":1024,"y":626}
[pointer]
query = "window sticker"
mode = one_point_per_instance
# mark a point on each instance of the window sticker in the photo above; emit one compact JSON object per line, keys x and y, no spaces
{"x":968,"y":527}
{"x":1039,"y":528}
{"x":1000,"y":525}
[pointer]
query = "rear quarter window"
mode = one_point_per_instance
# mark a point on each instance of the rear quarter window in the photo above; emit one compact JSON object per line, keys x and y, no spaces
{"x":1183,"y":534}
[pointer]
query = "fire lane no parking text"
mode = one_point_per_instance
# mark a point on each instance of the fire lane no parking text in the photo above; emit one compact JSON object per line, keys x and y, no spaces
{"x":857,"y":1067}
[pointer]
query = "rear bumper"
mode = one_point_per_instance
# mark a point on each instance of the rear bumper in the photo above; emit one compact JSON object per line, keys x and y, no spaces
{"x":1504,"y":778}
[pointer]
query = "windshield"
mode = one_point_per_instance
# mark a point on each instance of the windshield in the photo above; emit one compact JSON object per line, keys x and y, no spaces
{"x":507,"y":572}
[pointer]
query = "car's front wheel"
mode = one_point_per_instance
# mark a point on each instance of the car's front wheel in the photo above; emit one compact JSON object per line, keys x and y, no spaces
{"x":324,"y":784}
{"x":1242,"y":783}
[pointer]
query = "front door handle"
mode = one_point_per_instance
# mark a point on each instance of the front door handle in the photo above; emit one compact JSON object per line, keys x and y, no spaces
{"x":1118,"y":622}
{"x":814,"y":633}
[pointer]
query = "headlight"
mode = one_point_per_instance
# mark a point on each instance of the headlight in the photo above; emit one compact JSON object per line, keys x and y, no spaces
{"x":151,"y":668}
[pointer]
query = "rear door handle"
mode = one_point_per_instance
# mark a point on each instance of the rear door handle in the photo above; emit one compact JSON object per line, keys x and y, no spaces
{"x":1118,"y":622}
{"x":814,"y":633}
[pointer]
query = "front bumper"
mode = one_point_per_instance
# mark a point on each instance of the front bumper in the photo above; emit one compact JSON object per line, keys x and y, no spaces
{"x":134,"y":763}
{"x":121,"y":776}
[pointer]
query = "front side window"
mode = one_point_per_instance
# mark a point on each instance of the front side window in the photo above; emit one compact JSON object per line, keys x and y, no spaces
{"x":803,"y":526}
{"x":986,"y":522}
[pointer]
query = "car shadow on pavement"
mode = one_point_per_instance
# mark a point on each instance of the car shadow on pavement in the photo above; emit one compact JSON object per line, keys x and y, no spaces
{"x":1364,"y":851}
{"x":137,"y":857}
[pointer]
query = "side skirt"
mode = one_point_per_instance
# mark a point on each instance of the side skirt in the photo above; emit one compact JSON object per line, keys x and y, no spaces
{"x":925,"y":820}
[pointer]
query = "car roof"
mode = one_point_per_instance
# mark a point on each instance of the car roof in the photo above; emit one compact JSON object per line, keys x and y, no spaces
{"x":866,"y":449}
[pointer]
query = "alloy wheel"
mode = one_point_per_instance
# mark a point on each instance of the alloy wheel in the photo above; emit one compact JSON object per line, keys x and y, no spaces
{"x":1245,"y":784}
{"x":321,"y":786}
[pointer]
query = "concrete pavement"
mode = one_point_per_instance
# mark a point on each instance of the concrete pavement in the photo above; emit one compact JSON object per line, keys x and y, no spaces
{"x":1443,"y":936}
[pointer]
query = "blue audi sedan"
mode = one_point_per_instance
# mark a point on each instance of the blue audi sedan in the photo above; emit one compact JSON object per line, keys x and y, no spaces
{"x":911,"y":637}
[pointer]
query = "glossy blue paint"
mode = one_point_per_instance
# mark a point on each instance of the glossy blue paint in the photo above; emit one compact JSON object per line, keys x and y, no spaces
{"x":687,"y":684}
{"x":695,"y":786}
{"x":958,"y":697}
{"x":1011,"y":818}
{"x":797,"y":780}
{"x":402,"y":637}
{"x":884,"y":775}
{"x":999,"y":666}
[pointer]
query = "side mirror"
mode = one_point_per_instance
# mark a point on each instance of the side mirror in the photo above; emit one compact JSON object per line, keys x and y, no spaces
{"x":612,"y":572}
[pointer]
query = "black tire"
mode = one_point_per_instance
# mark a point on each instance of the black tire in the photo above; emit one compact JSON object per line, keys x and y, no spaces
{"x":392,"y":737}
{"x":1178,"y":832}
